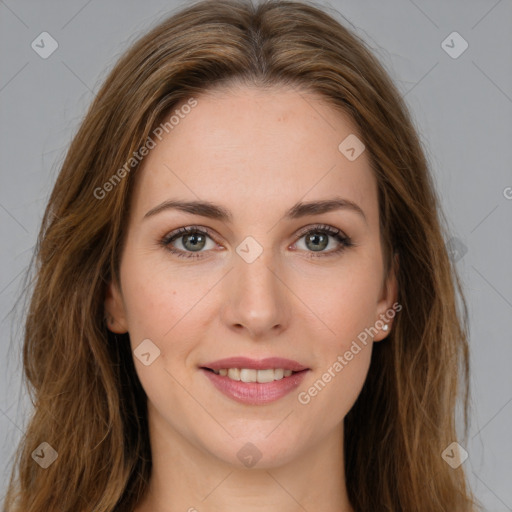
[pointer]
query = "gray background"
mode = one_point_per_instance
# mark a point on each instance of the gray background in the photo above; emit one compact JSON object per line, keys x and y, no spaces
{"x":461,"y":106}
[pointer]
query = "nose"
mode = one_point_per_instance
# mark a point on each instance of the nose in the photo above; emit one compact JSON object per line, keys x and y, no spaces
{"x":255,"y":299}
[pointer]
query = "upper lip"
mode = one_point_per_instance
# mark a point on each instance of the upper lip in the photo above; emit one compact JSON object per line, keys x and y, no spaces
{"x":256,"y":364}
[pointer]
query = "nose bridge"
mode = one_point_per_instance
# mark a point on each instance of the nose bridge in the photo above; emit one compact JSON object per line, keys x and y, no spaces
{"x":255,"y":296}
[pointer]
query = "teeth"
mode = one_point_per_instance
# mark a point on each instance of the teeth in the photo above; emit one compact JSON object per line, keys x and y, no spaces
{"x":234,"y":373}
{"x":250,"y":375}
{"x":265,"y":375}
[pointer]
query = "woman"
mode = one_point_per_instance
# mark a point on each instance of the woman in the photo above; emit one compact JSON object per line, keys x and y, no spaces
{"x":243,"y":297}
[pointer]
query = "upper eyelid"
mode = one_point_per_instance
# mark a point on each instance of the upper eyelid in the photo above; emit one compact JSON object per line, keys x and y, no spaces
{"x":321,"y":227}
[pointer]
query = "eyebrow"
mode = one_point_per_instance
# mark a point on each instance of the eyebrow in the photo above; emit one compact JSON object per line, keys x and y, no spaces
{"x":217,"y":212}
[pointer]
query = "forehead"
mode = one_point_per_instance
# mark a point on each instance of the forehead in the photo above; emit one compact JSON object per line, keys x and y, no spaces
{"x":256,"y":151}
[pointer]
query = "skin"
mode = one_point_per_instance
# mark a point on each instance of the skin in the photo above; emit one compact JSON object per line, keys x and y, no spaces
{"x":256,"y":153}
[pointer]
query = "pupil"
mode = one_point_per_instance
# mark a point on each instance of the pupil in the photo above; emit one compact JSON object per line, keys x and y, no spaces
{"x":316,"y":238}
{"x":196,"y":240}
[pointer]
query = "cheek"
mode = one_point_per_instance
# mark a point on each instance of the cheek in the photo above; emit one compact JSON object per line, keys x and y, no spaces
{"x":344,"y":302}
{"x":160,"y":307}
{"x":156,"y":296}
{"x":334,"y":388}
{"x":157,"y":307}
{"x":347,"y":306}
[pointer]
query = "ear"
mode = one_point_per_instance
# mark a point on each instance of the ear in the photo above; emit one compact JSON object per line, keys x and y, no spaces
{"x":115,"y":310}
{"x":387,"y":305}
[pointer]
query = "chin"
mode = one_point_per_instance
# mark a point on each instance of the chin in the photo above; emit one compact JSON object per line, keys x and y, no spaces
{"x":258,"y":451}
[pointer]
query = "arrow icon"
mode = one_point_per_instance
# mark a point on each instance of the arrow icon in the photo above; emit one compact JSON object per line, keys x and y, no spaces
{"x":454,"y":455}
{"x":351,"y":147}
{"x":147,"y":352}
{"x":454,"y":45}
{"x":44,"y":45}
{"x":44,"y":455}
{"x":249,"y":455}
{"x":247,"y":252}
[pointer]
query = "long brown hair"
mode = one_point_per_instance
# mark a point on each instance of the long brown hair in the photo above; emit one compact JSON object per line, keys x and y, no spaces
{"x":89,"y":404}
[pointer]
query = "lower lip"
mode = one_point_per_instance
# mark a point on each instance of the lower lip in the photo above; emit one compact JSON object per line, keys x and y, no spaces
{"x":255,"y":393}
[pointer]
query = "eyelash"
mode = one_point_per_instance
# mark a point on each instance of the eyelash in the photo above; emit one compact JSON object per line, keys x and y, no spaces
{"x":343,"y":240}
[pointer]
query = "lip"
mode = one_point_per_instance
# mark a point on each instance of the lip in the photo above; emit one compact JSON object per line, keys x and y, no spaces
{"x":256,"y":364}
{"x":255,"y":393}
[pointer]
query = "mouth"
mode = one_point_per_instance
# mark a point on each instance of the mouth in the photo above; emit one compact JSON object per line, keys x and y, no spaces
{"x":255,"y":382}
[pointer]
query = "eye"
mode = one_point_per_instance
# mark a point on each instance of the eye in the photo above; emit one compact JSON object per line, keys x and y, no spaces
{"x":193,"y":239}
{"x":316,"y":239}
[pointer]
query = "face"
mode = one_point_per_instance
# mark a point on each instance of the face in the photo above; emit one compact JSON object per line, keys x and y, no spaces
{"x":271,"y":279}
